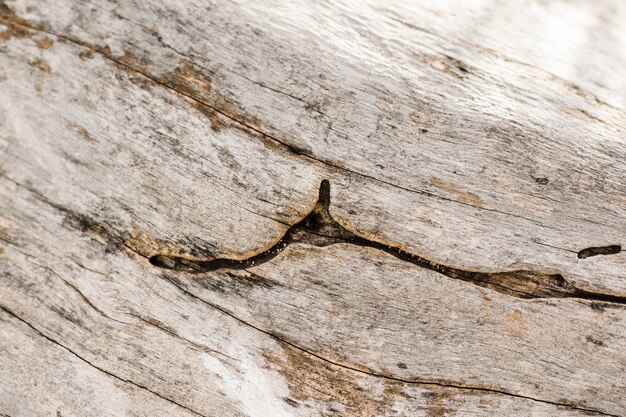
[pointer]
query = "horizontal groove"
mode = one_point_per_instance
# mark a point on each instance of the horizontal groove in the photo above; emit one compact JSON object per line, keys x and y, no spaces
{"x":319,"y":228}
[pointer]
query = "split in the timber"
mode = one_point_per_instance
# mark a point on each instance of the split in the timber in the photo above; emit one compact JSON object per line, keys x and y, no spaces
{"x":320,"y":229}
{"x":600,"y":250}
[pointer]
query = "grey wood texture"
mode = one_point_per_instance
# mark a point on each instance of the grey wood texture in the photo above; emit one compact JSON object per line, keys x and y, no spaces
{"x":272,"y":208}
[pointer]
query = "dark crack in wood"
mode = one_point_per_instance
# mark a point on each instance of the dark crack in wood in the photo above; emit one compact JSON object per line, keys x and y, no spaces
{"x":599,"y":250}
{"x":319,"y":228}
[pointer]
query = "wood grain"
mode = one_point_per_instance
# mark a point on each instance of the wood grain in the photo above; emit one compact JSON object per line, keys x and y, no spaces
{"x":469,"y":260}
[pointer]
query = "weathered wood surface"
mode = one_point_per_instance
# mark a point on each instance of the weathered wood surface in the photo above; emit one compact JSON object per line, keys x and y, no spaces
{"x":473,"y":150}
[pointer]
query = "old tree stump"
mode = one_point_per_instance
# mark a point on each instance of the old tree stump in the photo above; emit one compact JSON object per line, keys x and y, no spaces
{"x":295,"y":208}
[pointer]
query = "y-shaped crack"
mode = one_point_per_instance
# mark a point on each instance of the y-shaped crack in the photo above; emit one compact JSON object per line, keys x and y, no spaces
{"x":319,"y":228}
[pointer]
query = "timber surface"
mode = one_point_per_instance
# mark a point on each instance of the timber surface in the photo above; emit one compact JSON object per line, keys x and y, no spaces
{"x":373,"y":208}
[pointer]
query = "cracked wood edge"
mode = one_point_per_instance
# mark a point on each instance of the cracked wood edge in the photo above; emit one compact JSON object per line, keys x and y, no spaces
{"x":171,"y":151}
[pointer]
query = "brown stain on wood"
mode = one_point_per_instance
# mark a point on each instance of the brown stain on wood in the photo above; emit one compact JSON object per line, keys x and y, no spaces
{"x":44,"y":69}
{"x":312,"y":380}
{"x":44,"y":43}
{"x":194,"y":86}
{"x":485,"y":307}
{"x":223,"y":114}
{"x":516,"y":324}
{"x":185,"y":78}
{"x":4,"y":234}
{"x":437,"y":407}
{"x":143,"y":243}
{"x":81,"y":131}
{"x":420,"y":120}
{"x":16,"y":27}
{"x":86,"y":54}
{"x":576,"y":90}
{"x":463,"y":196}
{"x":42,"y":65}
{"x":13,"y":31}
{"x":449,"y":65}
{"x":581,"y":114}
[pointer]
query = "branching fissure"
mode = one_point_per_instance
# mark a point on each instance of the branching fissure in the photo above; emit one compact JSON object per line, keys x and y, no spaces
{"x":319,"y":228}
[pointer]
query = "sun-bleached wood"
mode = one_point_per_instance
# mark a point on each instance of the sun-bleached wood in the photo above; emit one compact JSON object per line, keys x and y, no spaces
{"x":480,"y":136}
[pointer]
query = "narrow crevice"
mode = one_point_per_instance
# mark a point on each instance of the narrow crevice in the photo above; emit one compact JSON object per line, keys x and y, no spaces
{"x":319,"y":228}
{"x":599,"y":250}
{"x":128,"y":381}
{"x":372,"y":373}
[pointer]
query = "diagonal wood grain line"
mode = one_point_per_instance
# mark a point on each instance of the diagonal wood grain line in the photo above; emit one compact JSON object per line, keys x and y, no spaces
{"x":366,"y":371}
{"x":10,"y":19}
{"x":95,"y":366}
{"x":319,"y":228}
